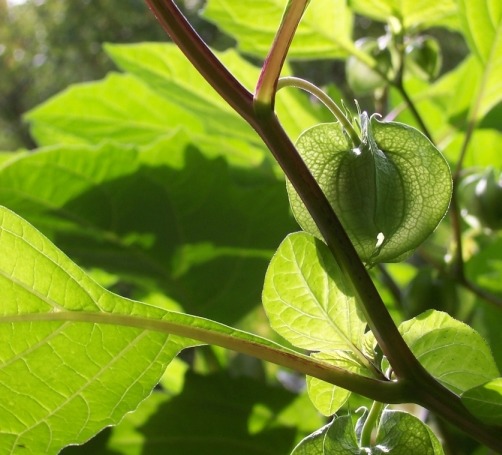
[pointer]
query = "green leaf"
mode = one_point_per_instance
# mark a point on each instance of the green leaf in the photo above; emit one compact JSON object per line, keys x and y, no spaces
{"x":139,"y":215}
{"x":324,"y":32}
{"x":307,"y":300}
{"x":119,"y":108}
{"x":401,"y":433}
{"x":78,"y":353}
{"x":390,"y":193}
{"x":328,"y":398}
{"x":454,"y":353}
{"x":485,"y":401}
{"x":55,"y":372}
{"x":336,"y":438}
{"x":411,"y":13}
{"x":482,"y":26}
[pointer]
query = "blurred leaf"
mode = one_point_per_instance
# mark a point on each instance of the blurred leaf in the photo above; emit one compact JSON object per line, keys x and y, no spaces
{"x":482,"y":26}
{"x":411,"y":13}
{"x":166,"y":70}
{"x":483,"y":150}
{"x":324,"y":32}
{"x":326,"y":397}
{"x":213,"y":414}
{"x":119,"y":108}
{"x":454,"y":353}
{"x":58,"y":371}
{"x":485,"y":267}
{"x":166,"y":217}
{"x":306,"y":299}
{"x":485,"y":402}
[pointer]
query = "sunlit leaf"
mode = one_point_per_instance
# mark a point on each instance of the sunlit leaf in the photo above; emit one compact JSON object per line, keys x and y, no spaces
{"x":482,"y":26}
{"x":119,"y":108}
{"x":411,"y":13}
{"x":328,"y":398}
{"x":165,"y":69}
{"x":336,"y":438}
{"x":307,"y":300}
{"x":454,"y":353}
{"x":324,"y":32}
{"x":53,"y":373}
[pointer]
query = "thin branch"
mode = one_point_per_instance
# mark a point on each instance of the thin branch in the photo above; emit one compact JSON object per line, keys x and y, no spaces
{"x":271,"y":70}
{"x":239,"y":341}
{"x":291,"y":81}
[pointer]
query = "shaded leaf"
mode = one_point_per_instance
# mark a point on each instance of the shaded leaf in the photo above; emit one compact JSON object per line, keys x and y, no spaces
{"x":216,"y":413}
{"x":139,"y":214}
{"x":401,"y":433}
{"x":485,"y":401}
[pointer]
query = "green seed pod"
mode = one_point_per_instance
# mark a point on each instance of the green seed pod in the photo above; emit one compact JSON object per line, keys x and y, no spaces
{"x":389,"y":193}
{"x":481,"y":199}
{"x":429,"y":290}
{"x":423,"y":57}
{"x":361,"y":78}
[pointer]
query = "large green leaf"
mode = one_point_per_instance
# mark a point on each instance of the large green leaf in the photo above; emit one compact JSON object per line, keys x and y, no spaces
{"x":307,"y":300}
{"x":482,"y":26}
{"x":454,"y":353}
{"x":324,"y":32}
{"x":79,"y":357}
{"x":62,"y":381}
{"x":165,"y":69}
{"x":390,"y":192}
{"x":485,"y":401}
{"x":120,"y":108}
{"x":411,"y":13}
{"x":166,"y":217}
